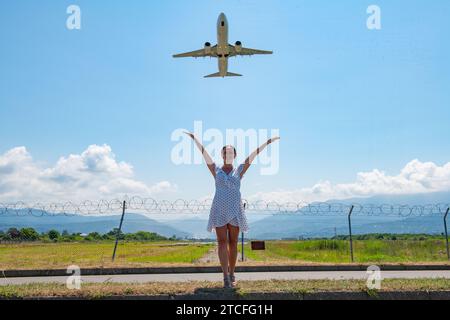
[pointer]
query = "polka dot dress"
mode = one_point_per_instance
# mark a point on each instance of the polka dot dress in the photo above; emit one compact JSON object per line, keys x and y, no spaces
{"x":227,"y":206}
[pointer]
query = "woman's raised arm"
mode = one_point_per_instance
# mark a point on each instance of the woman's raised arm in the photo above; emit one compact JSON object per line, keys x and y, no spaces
{"x":209,"y":161}
{"x":255,"y":153}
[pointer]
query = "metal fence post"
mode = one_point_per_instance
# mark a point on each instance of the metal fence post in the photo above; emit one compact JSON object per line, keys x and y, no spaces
{"x":242,"y":237}
{"x":446,"y":233}
{"x":120,"y":229}
{"x":350,"y":231}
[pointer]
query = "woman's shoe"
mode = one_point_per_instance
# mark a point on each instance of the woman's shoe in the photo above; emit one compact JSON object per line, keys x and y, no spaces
{"x":233,"y":280}
{"x":227,"y":282}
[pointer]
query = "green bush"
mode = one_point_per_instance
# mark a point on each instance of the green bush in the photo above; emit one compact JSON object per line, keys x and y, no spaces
{"x":13,"y":234}
{"x":144,"y":236}
{"x":54,"y":235}
{"x":29,"y":234}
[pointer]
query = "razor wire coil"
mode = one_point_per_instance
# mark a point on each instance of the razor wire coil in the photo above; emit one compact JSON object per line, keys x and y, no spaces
{"x":182,"y":206}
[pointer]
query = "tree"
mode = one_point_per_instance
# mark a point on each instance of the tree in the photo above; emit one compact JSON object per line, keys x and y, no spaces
{"x":144,"y":236}
{"x":173,"y":237}
{"x":53,"y":235}
{"x":113,"y":234}
{"x":13,"y":233}
{"x":29,"y":234}
{"x":93,"y":236}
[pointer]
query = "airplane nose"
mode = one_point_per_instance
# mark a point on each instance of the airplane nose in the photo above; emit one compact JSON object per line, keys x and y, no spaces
{"x":222,"y":19}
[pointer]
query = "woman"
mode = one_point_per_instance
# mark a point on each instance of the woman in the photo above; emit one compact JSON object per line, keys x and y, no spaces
{"x":227,"y":213}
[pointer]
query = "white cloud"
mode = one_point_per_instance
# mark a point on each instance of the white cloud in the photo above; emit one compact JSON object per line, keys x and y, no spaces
{"x":93,"y":174}
{"x":415,"y":177}
{"x":96,"y":174}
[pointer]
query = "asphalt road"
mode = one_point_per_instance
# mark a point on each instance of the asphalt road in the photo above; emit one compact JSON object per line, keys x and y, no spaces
{"x":183,"y":277}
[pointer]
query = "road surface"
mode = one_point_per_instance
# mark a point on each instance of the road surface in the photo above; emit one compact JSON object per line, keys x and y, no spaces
{"x":184,"y":277}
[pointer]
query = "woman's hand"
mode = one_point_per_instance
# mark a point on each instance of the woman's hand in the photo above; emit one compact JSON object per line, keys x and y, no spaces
{"x":255,"y":153}
{"x":273,"y":140}
{"x":189,"y":134}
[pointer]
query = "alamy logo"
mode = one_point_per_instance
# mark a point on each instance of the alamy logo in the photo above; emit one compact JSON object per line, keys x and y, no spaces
{"x":374,"y":20}
{"x":374,"y":279}
{"x":73,"y":22}
{"x":73,"y":282}
{"x":245,"y":142}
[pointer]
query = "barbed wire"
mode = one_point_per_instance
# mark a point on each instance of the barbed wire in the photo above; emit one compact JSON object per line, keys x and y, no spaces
{"x":182,"y":206}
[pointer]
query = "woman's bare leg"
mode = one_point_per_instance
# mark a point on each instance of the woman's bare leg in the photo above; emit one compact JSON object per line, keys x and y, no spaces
{"x":222,"y":246}
{"x":232,"y":246}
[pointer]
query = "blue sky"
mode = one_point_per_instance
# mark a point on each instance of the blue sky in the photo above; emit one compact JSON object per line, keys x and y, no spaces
{"x":345,"y":99}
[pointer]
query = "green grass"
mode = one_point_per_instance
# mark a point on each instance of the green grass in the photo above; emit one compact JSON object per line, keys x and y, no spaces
{"x":99,"y":290}
{"x":338,"y":251}
{"x":167,"y":253}
{"x":61,"y":255}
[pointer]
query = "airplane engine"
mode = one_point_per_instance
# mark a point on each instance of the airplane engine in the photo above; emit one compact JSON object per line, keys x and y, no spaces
{"x":207,"y":48}
{"x":238,"y":46}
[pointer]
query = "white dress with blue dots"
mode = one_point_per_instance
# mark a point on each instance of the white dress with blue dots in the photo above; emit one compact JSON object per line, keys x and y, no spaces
{"x":227,"y":206}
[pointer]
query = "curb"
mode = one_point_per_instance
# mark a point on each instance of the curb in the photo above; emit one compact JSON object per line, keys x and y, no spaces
{"x":215,"y":269}
{"x":332,"y":295}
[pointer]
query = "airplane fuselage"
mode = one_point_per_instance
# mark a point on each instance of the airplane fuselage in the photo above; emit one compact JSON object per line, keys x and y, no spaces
{"x":223,"y":49}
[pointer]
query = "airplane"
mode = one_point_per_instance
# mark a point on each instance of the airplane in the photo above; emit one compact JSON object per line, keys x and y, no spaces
{"x":223,"y":50}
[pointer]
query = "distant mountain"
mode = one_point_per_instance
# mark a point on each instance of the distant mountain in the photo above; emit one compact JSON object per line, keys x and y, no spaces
{"x":86,"y":224}
{"x":409,"y":199}
{"x":294,"y":226}
{"x":197,"y":225}
{"x":275,"y":226}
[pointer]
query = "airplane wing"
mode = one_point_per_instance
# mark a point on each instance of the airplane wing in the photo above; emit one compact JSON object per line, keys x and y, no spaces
{"x":197,"y":53}
{"x":246,"y":51}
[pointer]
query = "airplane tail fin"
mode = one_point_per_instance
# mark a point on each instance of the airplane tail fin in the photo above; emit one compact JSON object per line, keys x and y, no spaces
{"x":229,"y":74}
